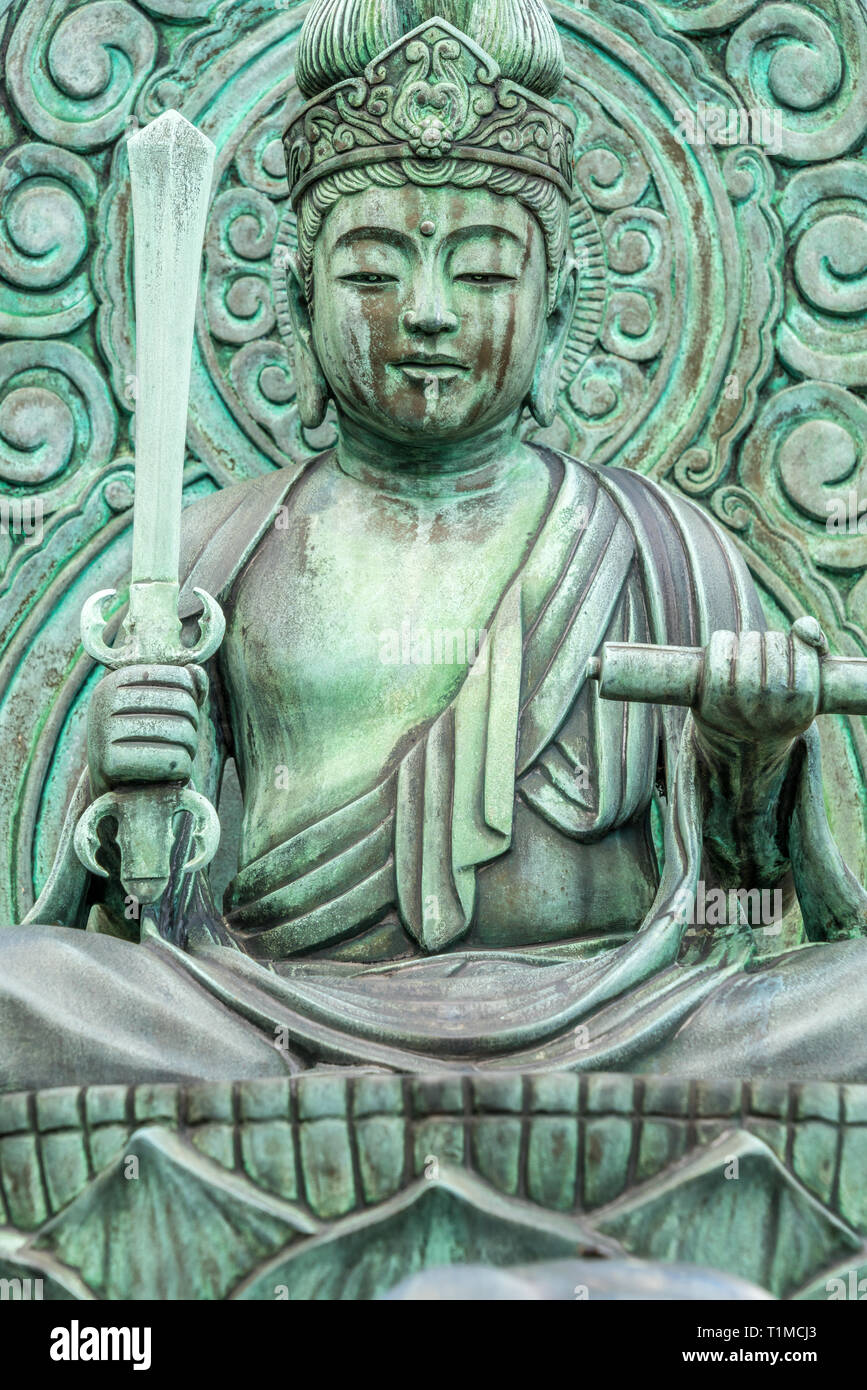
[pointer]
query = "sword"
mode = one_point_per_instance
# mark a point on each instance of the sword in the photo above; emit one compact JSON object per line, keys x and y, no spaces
{"x":171,"y":170}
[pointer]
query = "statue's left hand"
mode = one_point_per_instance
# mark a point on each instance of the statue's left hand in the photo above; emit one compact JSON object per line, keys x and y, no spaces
{"x":760,"y":687}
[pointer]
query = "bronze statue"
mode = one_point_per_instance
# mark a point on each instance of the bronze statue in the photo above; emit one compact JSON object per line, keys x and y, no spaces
{"x":447,"y":851}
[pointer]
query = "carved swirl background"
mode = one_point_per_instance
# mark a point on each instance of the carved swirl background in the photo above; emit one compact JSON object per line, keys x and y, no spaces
{"x":721,"y":343}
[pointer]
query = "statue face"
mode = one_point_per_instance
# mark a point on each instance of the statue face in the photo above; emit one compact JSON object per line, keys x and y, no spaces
{"x":429,"y":308}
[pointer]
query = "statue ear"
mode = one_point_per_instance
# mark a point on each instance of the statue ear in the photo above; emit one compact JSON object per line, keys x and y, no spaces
{"x":310,"y":385}
{"x":542,"y":399}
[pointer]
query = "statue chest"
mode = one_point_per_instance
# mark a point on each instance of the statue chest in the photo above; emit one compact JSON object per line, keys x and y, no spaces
{"x":348,"y":630}
{"x":338,"y":638}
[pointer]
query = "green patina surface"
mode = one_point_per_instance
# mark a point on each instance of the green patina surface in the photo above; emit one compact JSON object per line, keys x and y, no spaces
{"x":445,"y":845}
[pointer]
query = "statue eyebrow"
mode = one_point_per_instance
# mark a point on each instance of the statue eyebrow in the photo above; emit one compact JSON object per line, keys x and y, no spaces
{"x":386,"y":234}
{"x":465,"y":233}
{"x":392,"y":237}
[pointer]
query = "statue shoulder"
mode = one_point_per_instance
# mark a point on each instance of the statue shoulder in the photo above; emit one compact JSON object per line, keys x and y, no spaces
{"x":203,"y":519}
{"x":692,"y":566}
{"x":220,"y":532}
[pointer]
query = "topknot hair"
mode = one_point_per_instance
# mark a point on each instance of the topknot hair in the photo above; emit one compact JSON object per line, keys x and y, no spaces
{"x":340,"y":37}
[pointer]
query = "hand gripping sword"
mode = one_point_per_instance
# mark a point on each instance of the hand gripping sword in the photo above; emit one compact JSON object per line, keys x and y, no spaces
{"x":673,"y":675}
{"x":171,"y":169}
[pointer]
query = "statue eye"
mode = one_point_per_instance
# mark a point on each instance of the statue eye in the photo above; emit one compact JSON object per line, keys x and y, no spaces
{"x":365,"y":277}
{"x":478,"y":277}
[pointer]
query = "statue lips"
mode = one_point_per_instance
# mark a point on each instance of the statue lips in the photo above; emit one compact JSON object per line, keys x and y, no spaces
{"x":422,"y":368}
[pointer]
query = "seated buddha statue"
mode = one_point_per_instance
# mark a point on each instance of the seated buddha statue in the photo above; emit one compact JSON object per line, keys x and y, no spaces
{"x":453,"y":852}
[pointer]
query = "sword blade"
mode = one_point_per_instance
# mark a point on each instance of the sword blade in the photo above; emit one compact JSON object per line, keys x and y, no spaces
{"x":171,"y":170}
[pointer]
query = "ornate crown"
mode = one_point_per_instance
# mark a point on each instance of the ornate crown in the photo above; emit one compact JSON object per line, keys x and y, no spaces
{"x":432,"y":97}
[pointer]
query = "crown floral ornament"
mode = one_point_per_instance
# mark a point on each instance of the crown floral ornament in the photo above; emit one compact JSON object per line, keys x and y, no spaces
{"x":431,"y":98}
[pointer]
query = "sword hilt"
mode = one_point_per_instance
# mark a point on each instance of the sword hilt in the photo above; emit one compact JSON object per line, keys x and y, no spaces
{"x":152,"y":629}
{"x":145,"y":818}
{"x":673,"y":675}
{"x":145,"y":815}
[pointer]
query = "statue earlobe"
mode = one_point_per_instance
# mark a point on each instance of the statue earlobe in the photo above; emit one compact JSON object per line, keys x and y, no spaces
{"x":542,"y":398}
{"x":311,"y":388}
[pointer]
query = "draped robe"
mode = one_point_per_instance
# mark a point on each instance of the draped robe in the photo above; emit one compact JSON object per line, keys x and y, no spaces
{"x":635,"y":563}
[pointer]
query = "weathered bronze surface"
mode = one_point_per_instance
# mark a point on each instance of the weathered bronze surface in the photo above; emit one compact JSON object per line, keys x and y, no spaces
{"x":523,"y":418}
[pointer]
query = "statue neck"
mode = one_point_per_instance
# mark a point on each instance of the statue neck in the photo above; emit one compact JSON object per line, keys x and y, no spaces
{"x":430,"y":468}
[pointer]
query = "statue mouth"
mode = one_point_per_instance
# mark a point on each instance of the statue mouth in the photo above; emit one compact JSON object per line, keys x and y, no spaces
{"x":436,"y":367}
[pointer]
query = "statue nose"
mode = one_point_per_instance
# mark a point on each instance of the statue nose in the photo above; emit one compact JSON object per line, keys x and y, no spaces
{"x":430,"y":316}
